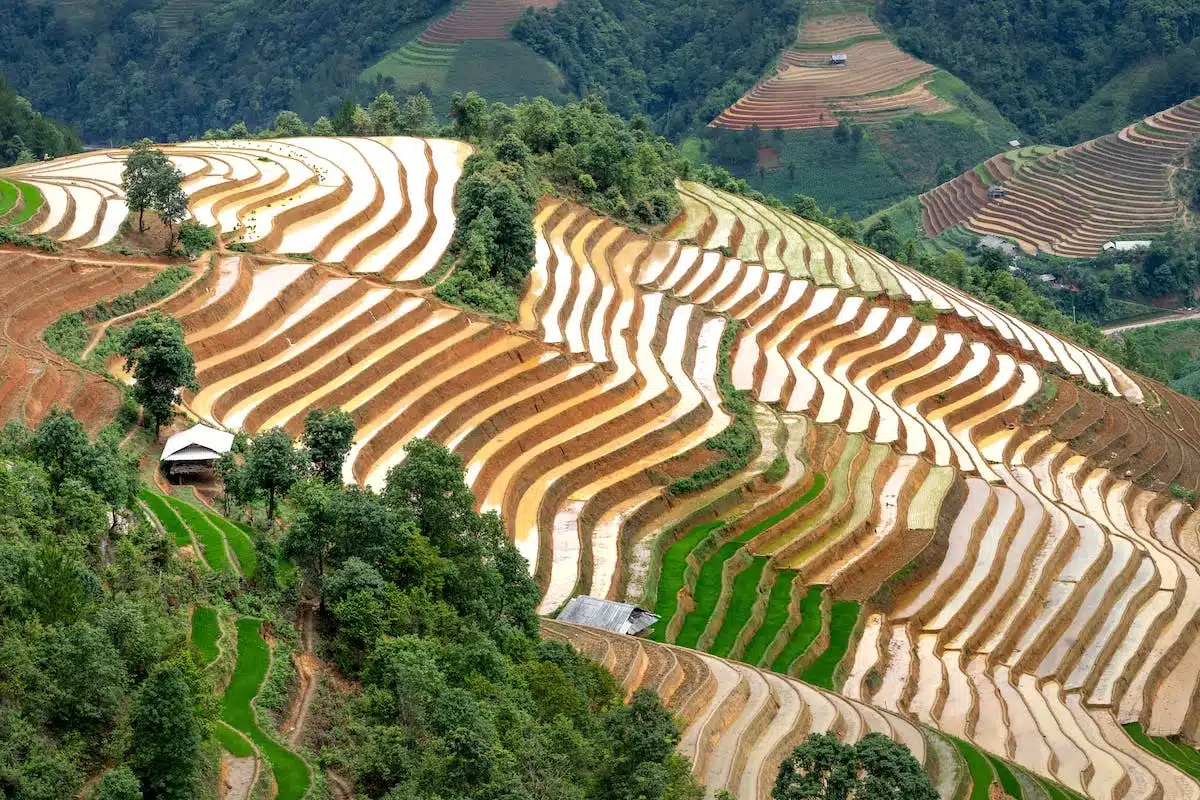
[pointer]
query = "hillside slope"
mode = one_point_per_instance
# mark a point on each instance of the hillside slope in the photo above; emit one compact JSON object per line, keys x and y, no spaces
{"x":967,"y":521}
{"x":1070,"y":201}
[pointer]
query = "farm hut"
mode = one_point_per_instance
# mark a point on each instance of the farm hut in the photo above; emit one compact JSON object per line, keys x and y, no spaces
{"x":996,"y":192}
{"x":839,"y":59}
{"x":993,"y":242}
{"x":195,"y":450}
{"x":1014,"y":142}
{"x":608,"y":615}
{"x":1127,"y":246}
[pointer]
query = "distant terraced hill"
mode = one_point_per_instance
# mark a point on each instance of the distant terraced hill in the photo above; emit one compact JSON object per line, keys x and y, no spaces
{"x":877,"y":83}
{"x":1070,"y":201}
{"x":472,"y":39}
{"x":967,"y":524}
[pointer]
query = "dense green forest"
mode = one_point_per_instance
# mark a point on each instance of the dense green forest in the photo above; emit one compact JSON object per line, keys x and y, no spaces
{"x":25,"y":134}
{"x":95,"y":672}
{"x":122,"y":69}
{"x":676,"y":61}
{"x":1038,"y":61}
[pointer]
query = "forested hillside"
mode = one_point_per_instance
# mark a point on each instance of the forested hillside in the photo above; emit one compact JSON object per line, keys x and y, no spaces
{"x":1038,"y":61}
{"x":678,"y":62}
{"x":25,"y":134}
{"x":121,"y":70}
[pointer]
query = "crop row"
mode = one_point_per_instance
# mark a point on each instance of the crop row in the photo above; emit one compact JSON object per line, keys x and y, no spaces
{"x":781,"y":244}
{"x":740,"y":722}
{"x":381,"y":205}
{"x":1069,"y":202}
{"x":808,"y":92}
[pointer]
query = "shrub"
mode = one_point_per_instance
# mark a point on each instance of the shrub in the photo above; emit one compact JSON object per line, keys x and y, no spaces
{"x":463,"y":288}
{"x":194,"y":238}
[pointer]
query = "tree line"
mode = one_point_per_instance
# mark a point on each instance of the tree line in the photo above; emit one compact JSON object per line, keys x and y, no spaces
{"x":96,"y":677}
{"x":680,"y":63}
{"x":120,"y":70}
{"x":26,"y":135}
{"x":1039,"y":61}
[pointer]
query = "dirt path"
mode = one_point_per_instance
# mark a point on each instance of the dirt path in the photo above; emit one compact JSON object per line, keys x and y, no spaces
{"x":115,"y":261}
{"x":341,"y":788}
{"x":1175,"y":317}
{"x":307,"y":668}
{"x":238,"y":776}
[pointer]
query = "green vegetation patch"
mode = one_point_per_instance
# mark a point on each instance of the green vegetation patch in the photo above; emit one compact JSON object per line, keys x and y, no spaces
{"x":775,"y":618}
{"x":741,"y":603}
{"x":209,"y":536}
{"x":1008,"y":781}
{"x":671,"y":574}
{"x":843,"y":618}
{"x":979,"y":767}
{"x":806,"y":632}
{"x":1180,"y":755}
{"x":706,"y":593}
{"x":239,"y":542}
{"x":8,"y":197}
{"x":32,"y":200}
{"x":234,"y":743}
{"x":253,"y":660}
{"x":206,"y":632}
{"x":739,"y":442}
{"x":166,"y":517}
{"x":504,"y":71}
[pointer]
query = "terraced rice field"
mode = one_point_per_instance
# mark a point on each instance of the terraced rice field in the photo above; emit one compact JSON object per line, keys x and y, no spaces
{"x":291,"y":773}
{"x":479,"y":19}
{"x":34,"y":291}
{"x":205,"y":632}
{"x":221,"y":545}
{"x":1070,"y":201}
{"x":739,"y":722}
{"x":878,"y":82}
{"x":1000,"y":563}
{"x":383,"y":206}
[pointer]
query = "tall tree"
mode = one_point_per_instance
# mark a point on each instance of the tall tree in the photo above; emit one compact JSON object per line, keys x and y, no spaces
{"x":161,"y":364}
{"x":874,"y":768}
{"x":385,"y":115}
{"x":417,"y":118}
{"x":328,"y":436}
{"x":169,"y":201}
{"x":274,"y":465}
{"x":166,"y":736}
{"x":138,"y":177}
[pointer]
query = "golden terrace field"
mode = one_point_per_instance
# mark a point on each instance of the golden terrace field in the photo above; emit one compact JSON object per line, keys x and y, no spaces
{"x":877,"y":83}
{"x":938,"y":535}
{"x":1070,"y":201}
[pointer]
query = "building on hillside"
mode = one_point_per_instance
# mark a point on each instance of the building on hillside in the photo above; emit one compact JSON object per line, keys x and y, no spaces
{"x":608,"y":615}
{"x":1127,"y":246}
{"x":1014,"y":142}
{"x":194,"y":450}
{"x":993,"y":242}
{"x":839,"y":59}
{"x":996,"y":192}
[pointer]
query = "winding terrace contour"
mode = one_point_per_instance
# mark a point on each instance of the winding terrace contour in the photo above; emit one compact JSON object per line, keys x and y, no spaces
{"x":1032,"y":482}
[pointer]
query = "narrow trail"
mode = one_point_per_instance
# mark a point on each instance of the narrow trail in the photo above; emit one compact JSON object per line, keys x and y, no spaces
{"x":1109,"y":330}
{"x":307,"y":668}
{"x":238,"y":776}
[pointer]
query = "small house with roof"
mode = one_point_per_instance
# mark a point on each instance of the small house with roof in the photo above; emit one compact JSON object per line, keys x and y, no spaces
{"x":607,"y":615}
{"x":839,"y":60}
{"x":195,"y":450}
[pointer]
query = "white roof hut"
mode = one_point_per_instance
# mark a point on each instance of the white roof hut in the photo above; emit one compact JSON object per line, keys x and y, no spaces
{"x":198,"y":443}
{"x":607,"y":615}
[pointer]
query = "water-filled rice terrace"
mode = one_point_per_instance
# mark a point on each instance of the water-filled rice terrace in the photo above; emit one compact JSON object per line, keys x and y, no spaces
{"x":968,"y":534}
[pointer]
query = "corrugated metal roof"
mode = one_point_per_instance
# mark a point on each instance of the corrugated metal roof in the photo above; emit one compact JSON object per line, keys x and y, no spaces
{"x":608,"y":615}
{"x":197,"y":443}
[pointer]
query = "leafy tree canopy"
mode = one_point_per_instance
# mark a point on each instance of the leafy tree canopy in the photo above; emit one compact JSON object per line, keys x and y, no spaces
{"x":874,"y":768}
